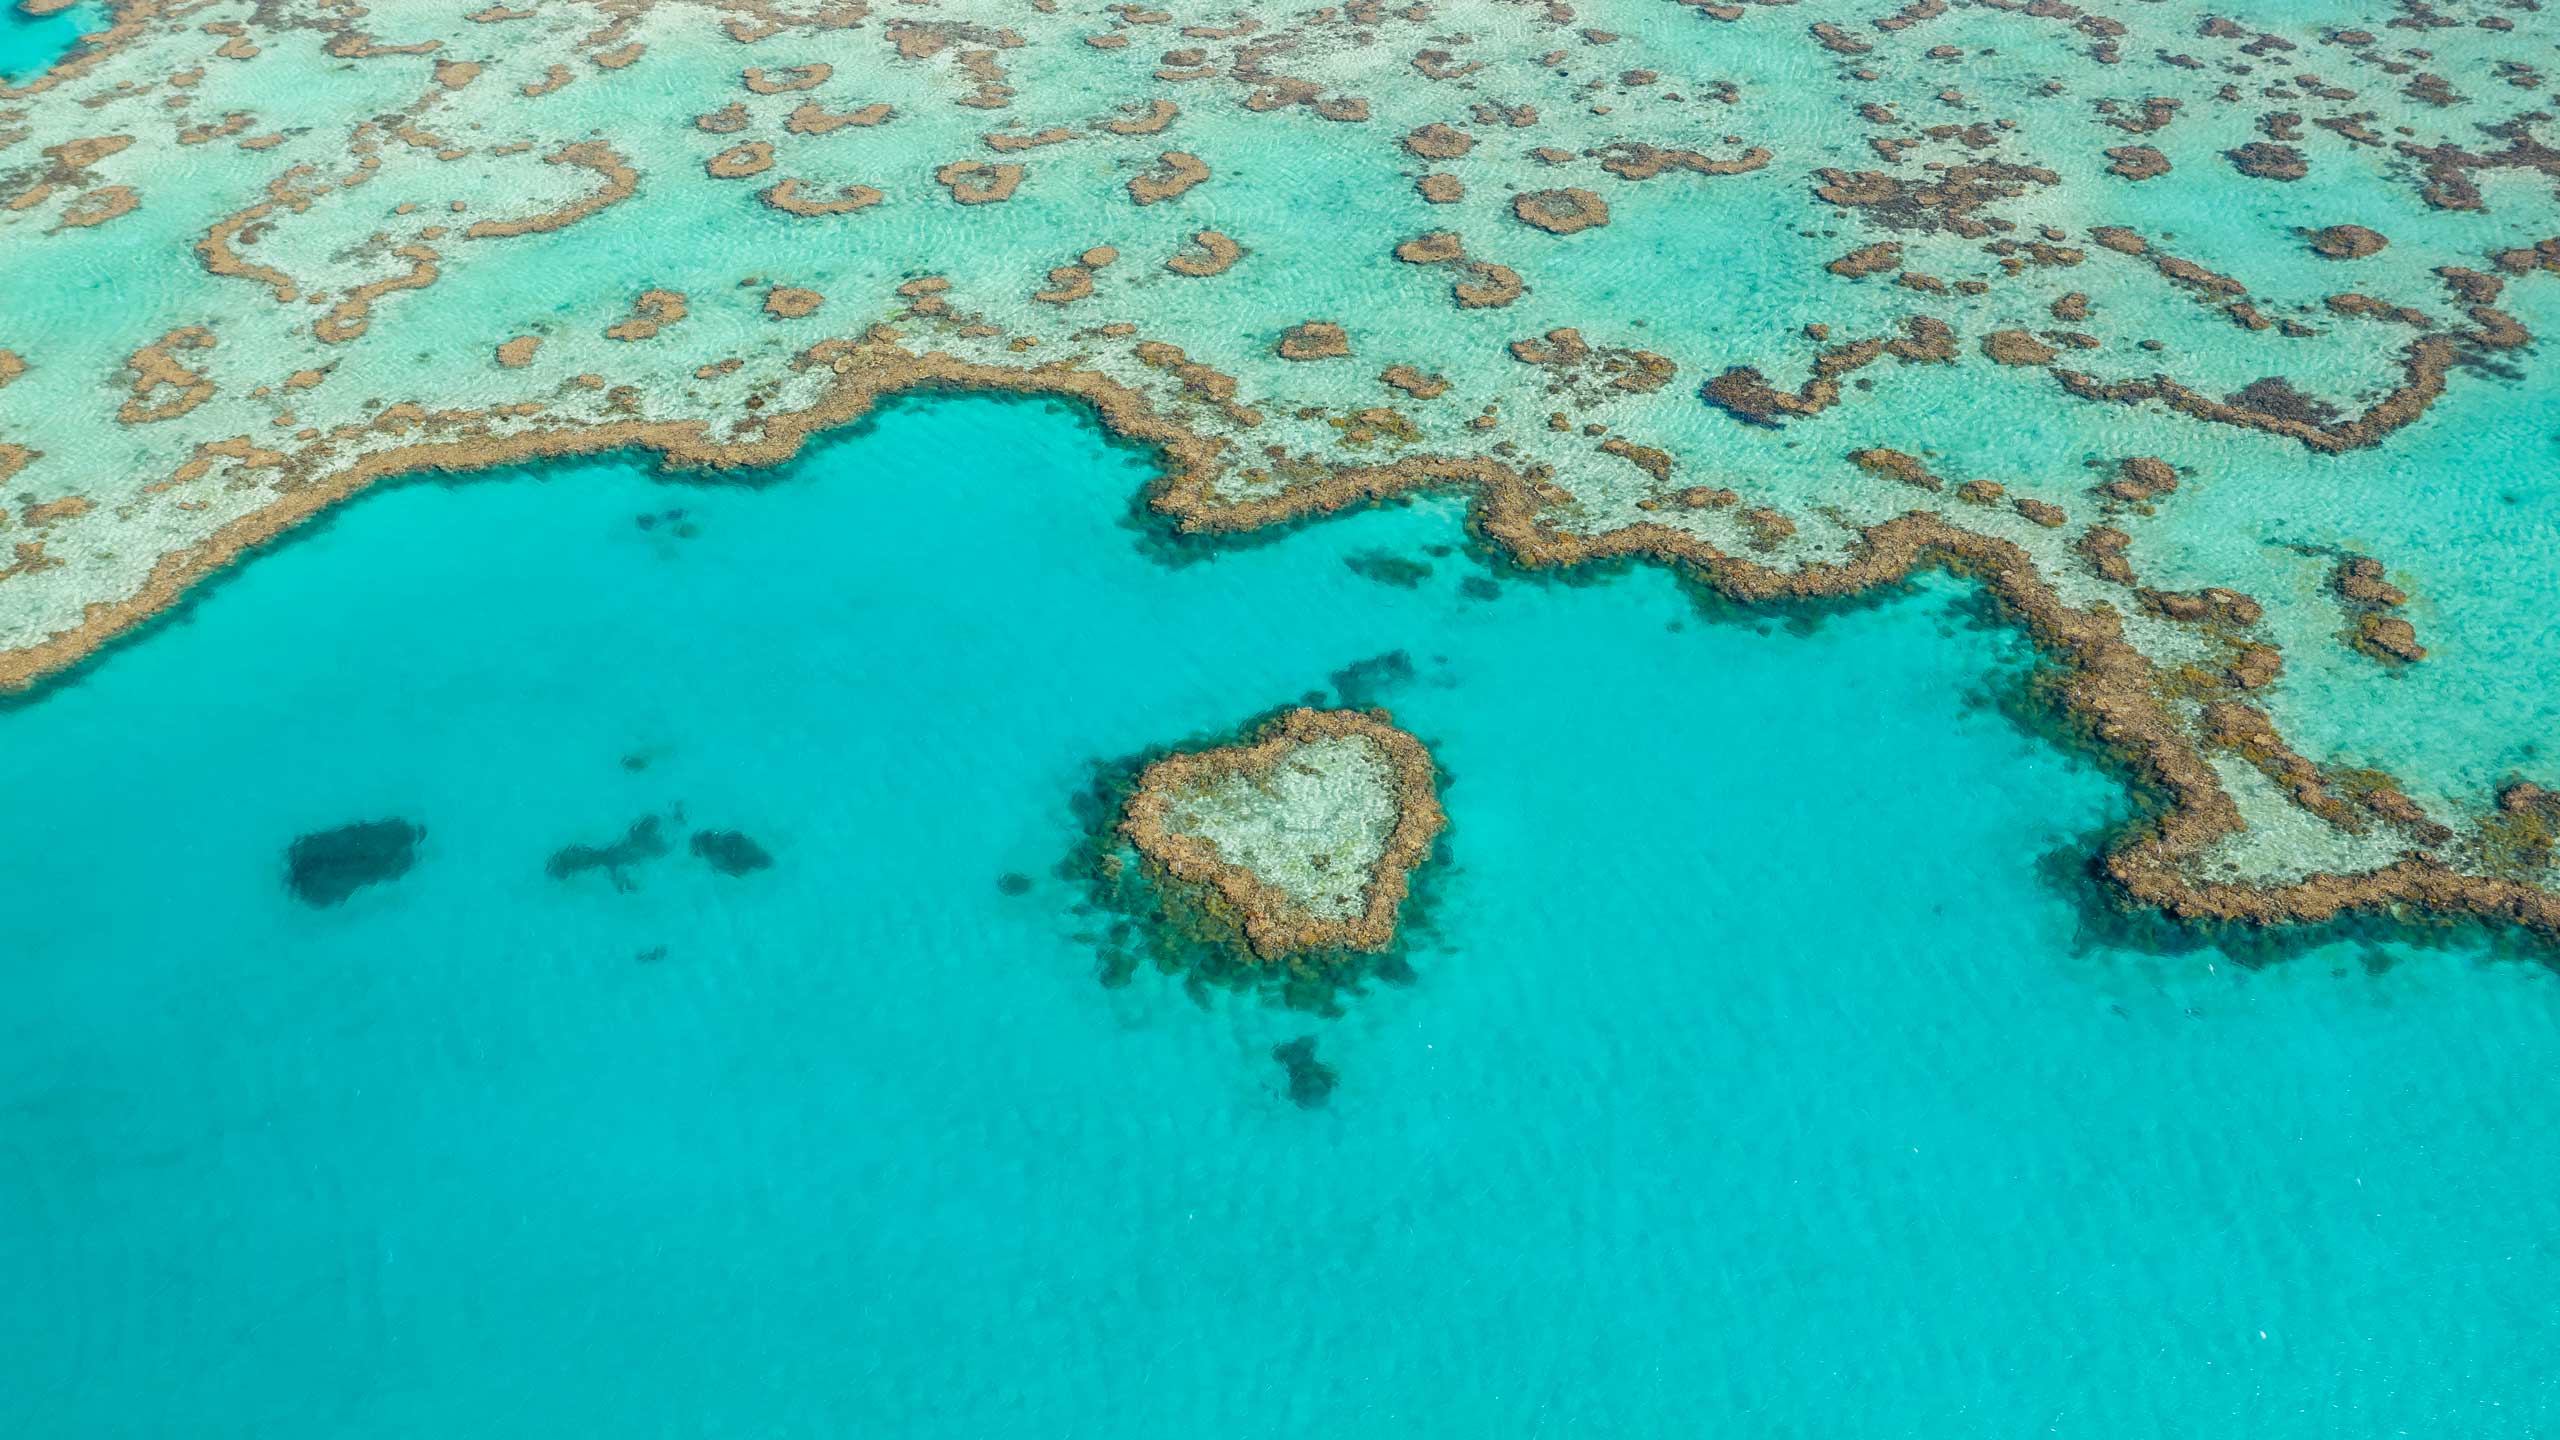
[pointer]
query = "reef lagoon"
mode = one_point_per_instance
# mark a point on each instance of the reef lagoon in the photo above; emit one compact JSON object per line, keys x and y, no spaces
{"x":1765,"y":1059}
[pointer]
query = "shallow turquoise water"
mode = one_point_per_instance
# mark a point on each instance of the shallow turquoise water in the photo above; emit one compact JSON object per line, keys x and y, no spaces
{"x":1755,"y":1077}
{"x":28,"y":43}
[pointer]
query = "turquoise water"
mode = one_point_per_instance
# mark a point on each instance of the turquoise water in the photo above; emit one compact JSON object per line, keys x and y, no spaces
{"x":29,"y":43}
{"x":1754,"y":1077}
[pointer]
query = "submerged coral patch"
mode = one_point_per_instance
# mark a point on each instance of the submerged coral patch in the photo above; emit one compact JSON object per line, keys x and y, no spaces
{"x":730,"y":852}
{"x":642,"y":841}
{"x":1305,"y":835}
{"x":327,"y":866}
{"x":1311,"y":1081}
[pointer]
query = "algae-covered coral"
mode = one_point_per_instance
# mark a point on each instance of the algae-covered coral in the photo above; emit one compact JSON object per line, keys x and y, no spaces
{"x":2121,"y":307}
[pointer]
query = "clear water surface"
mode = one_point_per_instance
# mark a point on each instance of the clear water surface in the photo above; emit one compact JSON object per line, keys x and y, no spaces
{"x":1756,"y":1075}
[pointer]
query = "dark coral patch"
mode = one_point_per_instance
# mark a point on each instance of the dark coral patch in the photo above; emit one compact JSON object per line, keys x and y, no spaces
{"x":1311,"y":1081}
{"x":1361,"y":682}
{"x":1387,"y":569}
{"x":325,"y":867}
{"x":2348,"y":242}
{"x":730,"y":852}
{"x":641,"y":842}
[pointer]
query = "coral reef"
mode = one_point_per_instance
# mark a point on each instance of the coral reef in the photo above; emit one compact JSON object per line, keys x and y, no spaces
{"x":1300,"y":802}
{"x":328,"y":314}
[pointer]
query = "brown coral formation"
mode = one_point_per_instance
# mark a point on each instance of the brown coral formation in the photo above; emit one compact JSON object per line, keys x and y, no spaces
{"x":2347,"y":242}
{"x":353,"y":315}
{"x":787,"y":197}
{"x":156,"y":367}
{"x":1176,"y":171}
{"x":2360,"y":583}
{"x":1769,"y":529}
{"x":2274,"y":406}
{"x":2137,"y":162}
{"x":97,"y":207}
{"x":1747,"y":395}
{"x":1199,"y":381}
{"x":2211,"y":605}
{"x":1560,"y":212}
{"x":816,"y":119}
{"x":740,"y":161}
{"x":2140,"y":478}
{"x":1884,"y":255}
{"x":38,"y":516}
{"x":1154,"y":119}
{"x":1636,"y":160}
{"x":1482,"y":285}
{"x":621,"y":182}
{"x":1067,"y":284}
{"x":1488,"y":287}
{"x":1218,"y":254}
{"x":1414,"y":382}
{"x":789,"y":302}
{"x":1592,"y":372}
{"x":652,"y":312}
{"x":2103,"y":546}
{"x":1272,"y":924}
{"x":2272,"y":403}
{"x":2247,"y":732}
{"x":1011,"y":142}
{"x":1314,"y":340}
{"x":552,"y":79}
{"x":1895,"y":465}
{"x":1437,"y":248}
{"x":979,"y":182}
{"x":2387,"y":637}
{"x":784,"y":79}
{"x":2017,"y":347}
{"x":2359,"y":579}
{"x":1439,"y":142}
{"x":1951,"y":200}
{"x":2523,"y":832}
{"x":2266,"y":160}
